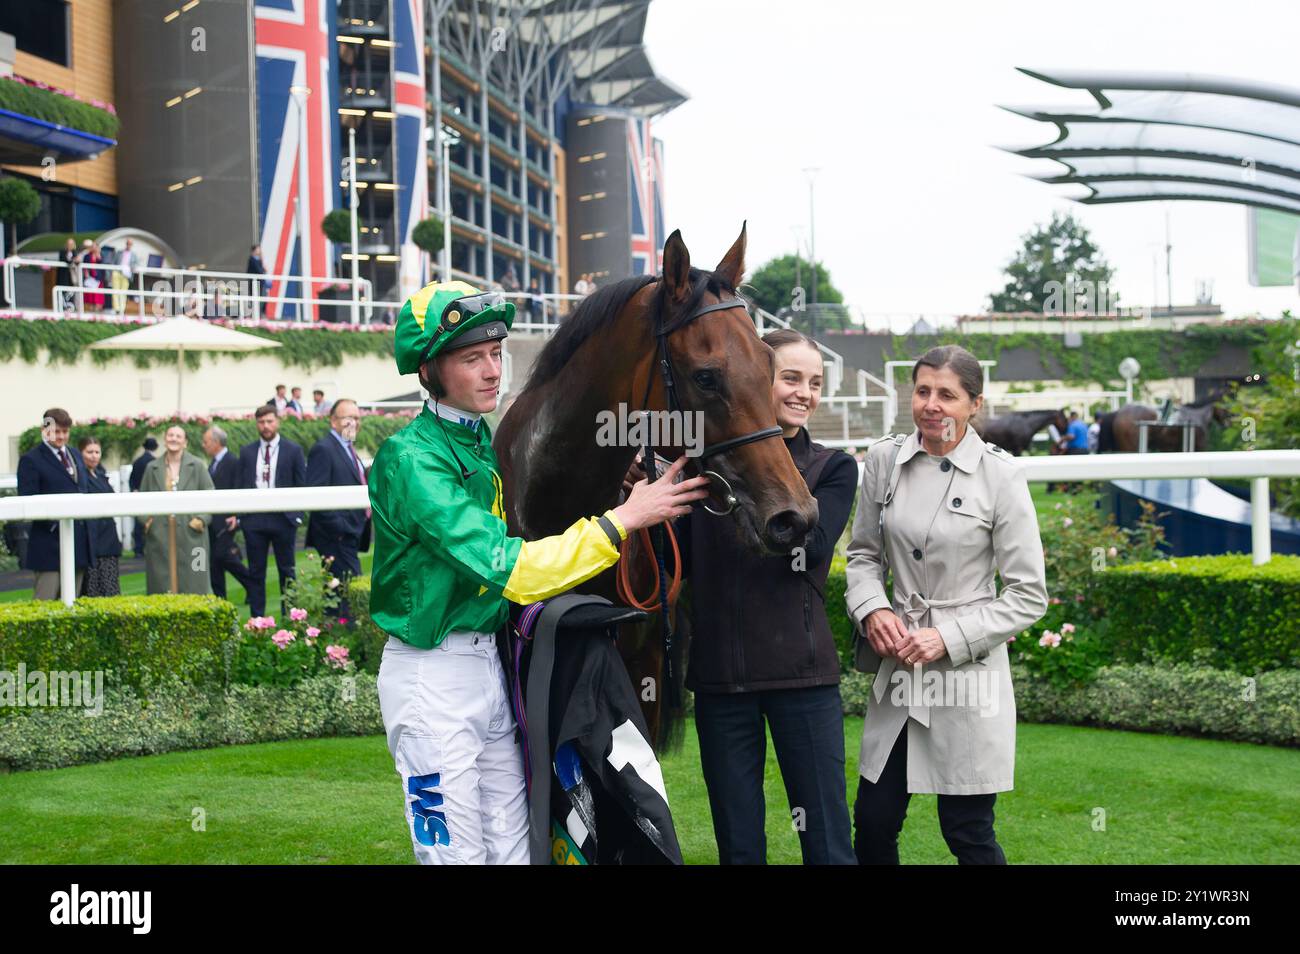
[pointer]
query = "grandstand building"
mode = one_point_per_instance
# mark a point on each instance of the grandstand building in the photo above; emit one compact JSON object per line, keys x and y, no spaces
{"x":235,"y":121}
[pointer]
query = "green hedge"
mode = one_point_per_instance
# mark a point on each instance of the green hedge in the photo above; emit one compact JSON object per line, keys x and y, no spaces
{"x":366,"y":640}
{"x":176,"y":717}
{"x":1162,"y":354}
{"x":56,"y":108}
{"x":115,"y":435}
{"x":141,"y":640}
{"x":1176,"y":700}
{"x":65,"y":340}
{"x":1215,"y":611}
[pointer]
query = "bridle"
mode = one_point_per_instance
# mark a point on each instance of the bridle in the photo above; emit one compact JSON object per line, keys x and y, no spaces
{"x":661,"y":332}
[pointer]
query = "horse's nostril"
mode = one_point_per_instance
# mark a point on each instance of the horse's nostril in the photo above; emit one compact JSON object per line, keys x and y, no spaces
{"x":785,"y":529}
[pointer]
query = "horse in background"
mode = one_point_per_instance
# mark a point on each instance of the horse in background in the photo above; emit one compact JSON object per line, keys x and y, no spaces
{"x":1119,"y":432}
{"x":1014,"y":432}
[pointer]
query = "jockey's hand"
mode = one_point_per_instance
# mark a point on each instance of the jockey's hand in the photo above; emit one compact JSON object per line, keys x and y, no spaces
{"x":649,"y":504}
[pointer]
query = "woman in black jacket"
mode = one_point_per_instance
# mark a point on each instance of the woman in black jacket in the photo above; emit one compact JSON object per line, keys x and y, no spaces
{"x":762,"y":656}
{"x":102,"y":578}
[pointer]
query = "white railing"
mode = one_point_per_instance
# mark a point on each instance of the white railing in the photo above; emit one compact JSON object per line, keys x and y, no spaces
{"x":833,"y":360}
{"x":1260,"y":466}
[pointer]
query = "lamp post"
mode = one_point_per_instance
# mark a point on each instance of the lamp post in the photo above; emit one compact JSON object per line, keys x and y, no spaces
{"x":352,"y":204}
{"x":447,"y":137}
{"x":299,"y":96}
{"x":812,"y":248}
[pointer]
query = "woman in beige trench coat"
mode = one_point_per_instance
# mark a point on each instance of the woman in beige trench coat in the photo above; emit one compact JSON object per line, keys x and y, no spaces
{"x":951,"y":512}
{"x":176,"y":551}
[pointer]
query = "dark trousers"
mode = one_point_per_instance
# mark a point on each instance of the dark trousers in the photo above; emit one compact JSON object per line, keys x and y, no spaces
{"x":258,"y":542}
{"x":807,"y":728}
{"x":965,"y":820}
{"x":224,"y":561}
{"x":346,"y":565}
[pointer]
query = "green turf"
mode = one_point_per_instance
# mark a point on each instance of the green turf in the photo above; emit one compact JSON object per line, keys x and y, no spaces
{"x":1191,"y":801}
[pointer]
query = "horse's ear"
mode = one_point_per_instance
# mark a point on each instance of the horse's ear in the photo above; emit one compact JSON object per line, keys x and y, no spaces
{"x":732,"y":267}
{"x":677,"y":267}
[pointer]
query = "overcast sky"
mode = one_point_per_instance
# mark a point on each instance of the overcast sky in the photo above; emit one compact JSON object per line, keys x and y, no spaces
{"x":916,"y":210}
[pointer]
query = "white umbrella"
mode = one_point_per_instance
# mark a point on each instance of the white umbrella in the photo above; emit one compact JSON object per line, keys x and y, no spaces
{"x":181,"y":335}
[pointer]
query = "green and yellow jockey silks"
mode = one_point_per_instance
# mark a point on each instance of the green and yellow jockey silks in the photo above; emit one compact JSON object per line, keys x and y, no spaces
{"x":446,"y":315}
{"x":443,"y":560}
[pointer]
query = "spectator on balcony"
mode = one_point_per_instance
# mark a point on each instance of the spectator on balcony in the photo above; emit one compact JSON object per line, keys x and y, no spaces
{"x":255,"y":267}
{"x":178,"y":556}
{"x":92,"y":278}
{"x":102,"y":578}
{"x":535,"y":304}
{"x":69,"y":276}
{"x":121,"y":280}
{"x":583,"y":285}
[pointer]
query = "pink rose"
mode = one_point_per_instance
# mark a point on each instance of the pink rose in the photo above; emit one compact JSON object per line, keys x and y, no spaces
{"x":338,"y":656}
{"x":1112,"y":552}
{"x":1049,"y":638}
{"x":282,"y":638}
{"x":1054,"y":601}
{"x":1068,"y":522}
{"x":312,"y":632}
{"x":1067,"y":627}
{"x":297,"y":615}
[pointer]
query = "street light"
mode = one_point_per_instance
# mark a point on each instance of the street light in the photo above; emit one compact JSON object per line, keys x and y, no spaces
{"x":353,"y":204}
{"x":811,"y":172}
{"x":447,"y":136}
{"x":299,"y":95}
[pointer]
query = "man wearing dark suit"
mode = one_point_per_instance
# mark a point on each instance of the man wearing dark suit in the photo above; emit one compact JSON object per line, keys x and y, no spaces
{"x":137,"y":475}
{"x":224,"y":471}
{"x":52,"y":467}
{"x":341,"y":534}
{"x":271,"y":462}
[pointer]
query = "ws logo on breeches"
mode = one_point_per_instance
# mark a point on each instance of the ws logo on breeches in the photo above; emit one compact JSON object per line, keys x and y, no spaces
{"x":430,"y":824}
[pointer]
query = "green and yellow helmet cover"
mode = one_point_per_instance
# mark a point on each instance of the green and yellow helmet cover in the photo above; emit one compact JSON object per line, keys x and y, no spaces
{"x":416,"y":337}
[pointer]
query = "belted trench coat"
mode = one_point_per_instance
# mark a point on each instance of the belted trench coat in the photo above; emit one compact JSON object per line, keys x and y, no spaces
{"x":958,"y":711}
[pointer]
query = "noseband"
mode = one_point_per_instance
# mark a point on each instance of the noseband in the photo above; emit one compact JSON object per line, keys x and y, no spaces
{"x":670,"y":392}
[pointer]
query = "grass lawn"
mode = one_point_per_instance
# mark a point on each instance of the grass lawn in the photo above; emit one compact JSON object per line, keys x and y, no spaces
{"x":1190,"y":801}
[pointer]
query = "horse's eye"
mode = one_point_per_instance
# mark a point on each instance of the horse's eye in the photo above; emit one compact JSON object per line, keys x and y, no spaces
{"x":707,"y":380}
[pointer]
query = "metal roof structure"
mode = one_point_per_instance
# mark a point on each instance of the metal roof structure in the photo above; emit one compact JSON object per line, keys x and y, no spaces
{"x":1160,"y":136}
{"x":593,"y":49}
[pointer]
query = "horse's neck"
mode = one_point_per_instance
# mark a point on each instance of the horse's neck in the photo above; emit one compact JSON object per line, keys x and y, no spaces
{"x":560,"y":472}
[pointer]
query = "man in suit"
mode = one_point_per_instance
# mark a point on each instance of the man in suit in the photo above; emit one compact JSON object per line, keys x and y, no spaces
{"x":271,"y":462}
{"x":137,"y":476}
{"x":280,"y":401}
{"x":226,"y":557}
{"x":52,"y":467}
{"x":294,"y":406}
{"x":340,"y":534}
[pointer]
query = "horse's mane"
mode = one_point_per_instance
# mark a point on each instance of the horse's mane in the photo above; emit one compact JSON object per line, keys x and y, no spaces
{"x":600,"y":308}
{"x":1212,"y":398}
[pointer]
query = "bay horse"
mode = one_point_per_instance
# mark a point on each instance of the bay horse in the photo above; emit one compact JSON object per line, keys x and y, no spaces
{"x":1014,"y":432}
{"x":609,"y":354}
{"x":1120,"y":432}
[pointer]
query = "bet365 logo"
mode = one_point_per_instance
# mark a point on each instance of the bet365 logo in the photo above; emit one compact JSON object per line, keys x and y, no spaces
{"x":430,"y":825}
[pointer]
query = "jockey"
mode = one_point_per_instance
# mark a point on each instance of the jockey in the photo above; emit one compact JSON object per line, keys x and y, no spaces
{"x":445,"y":567}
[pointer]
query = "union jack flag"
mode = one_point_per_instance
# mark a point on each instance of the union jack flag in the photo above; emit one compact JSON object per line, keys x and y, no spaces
{"x":295,"y":47}
{"x":645,"y":169}
{"x":411,"y":149}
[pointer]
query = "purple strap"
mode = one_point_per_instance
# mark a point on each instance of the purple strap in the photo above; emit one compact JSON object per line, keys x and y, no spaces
{"x":524,"y":634}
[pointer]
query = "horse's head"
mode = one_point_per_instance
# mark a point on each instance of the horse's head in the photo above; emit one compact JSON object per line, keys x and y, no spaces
{"x":723,"y":375}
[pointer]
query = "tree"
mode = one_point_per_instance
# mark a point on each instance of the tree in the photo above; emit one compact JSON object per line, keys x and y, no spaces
{"x":337,"y":226}
{"x":19,"y":204}
{"x":427,"y":235}
{"x":1052,"y":267}
{"x":776,"y":287}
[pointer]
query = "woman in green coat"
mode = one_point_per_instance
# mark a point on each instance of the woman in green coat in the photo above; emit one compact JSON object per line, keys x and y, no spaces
{"x":176,"y":548}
